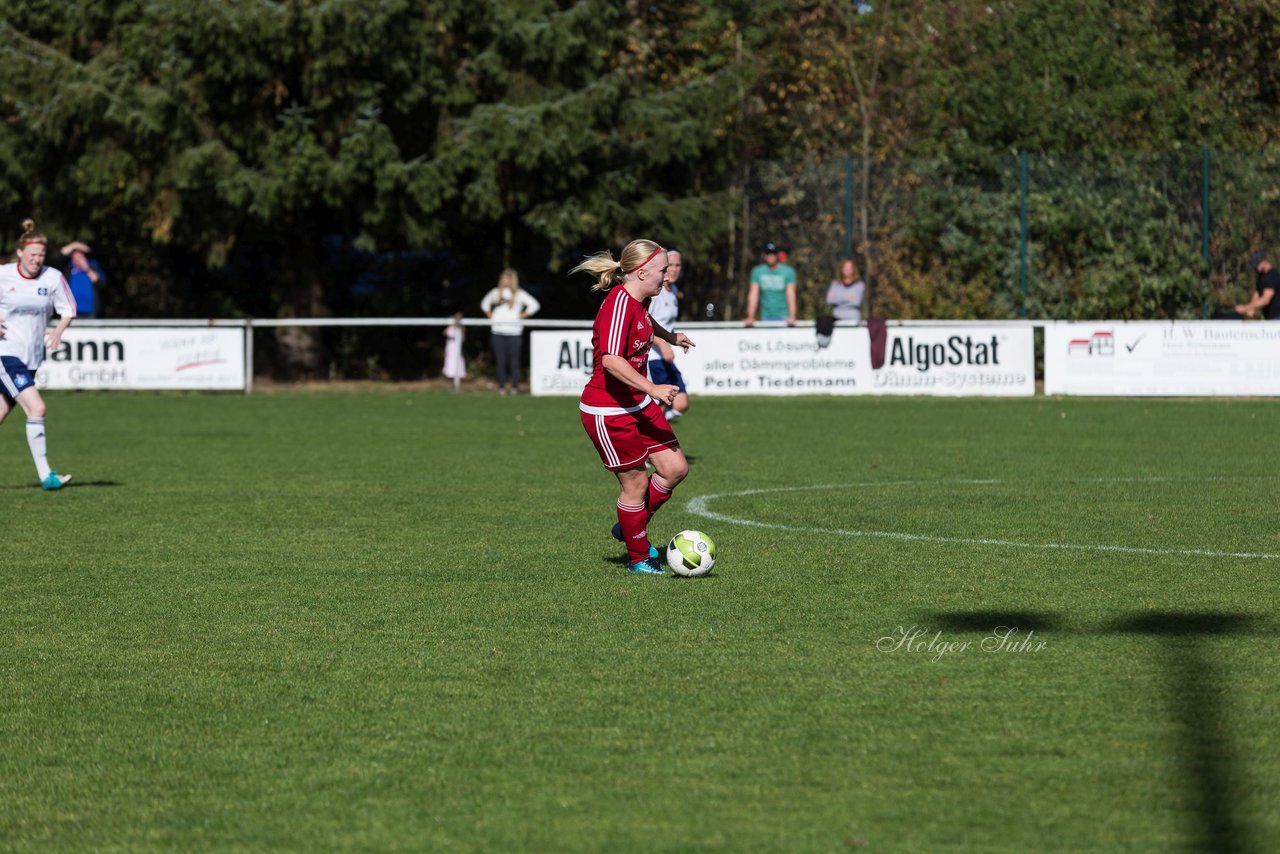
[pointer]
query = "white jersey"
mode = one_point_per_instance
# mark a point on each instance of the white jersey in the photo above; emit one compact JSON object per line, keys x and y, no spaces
{"x":26,"y":306}
{"x":664,"y":309}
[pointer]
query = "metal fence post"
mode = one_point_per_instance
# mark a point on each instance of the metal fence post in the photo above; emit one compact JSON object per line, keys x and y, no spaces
{"x":848,"y":206}
{"x":1204,"y":228}
{"x":1022,"y":240}
{"x":248,"y":356}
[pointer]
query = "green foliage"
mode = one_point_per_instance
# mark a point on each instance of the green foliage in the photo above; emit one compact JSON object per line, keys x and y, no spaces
{"x":494,"y":129}
{"x":1086,"y":75}
{"x":240,"y":135}
{"x":1108,"y":237}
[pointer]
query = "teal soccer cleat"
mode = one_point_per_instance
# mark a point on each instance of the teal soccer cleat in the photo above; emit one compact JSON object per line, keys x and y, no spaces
{"x":55,"y":481}
{"x":646,"y":567}
{"x":617,"y":535}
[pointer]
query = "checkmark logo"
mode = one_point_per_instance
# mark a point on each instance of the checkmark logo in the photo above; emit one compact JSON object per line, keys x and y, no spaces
{"x":1130,"y":347}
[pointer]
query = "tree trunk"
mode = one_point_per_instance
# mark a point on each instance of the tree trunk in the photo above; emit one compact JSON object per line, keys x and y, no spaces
{"x":300,"y":346}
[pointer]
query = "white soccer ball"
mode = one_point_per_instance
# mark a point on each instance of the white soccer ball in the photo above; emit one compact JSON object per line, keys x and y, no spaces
{"x":691,"y":553}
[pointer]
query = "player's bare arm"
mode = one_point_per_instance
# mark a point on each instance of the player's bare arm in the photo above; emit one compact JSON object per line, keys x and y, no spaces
{"x":621,"y":369}
{"x":678,"y":339}
{"x":53,"y":338}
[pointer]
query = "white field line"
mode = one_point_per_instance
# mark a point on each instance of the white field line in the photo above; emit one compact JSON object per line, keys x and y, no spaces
{"x":698,"y":507}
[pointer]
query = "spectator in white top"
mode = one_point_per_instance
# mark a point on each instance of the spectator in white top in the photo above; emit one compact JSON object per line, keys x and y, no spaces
{"x":508,"y":306}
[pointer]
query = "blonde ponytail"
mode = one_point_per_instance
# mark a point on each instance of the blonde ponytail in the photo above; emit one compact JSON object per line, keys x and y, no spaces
{"x":607,"y":271}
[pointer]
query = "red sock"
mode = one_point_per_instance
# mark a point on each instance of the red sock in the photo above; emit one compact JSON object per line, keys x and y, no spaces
{"x":633,"y":520}
{"x":659,"y":493}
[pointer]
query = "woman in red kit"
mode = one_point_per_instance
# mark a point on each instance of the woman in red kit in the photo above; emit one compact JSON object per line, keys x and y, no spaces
{"x":621,"y":409}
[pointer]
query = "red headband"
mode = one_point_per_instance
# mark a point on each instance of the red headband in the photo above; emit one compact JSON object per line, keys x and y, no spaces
{"x":642,"y":263}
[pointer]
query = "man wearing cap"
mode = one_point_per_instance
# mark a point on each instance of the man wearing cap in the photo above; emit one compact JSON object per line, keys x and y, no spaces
{"x":1265,"y":286}
{"x":773,"y":290}
{"x":84,"y":278}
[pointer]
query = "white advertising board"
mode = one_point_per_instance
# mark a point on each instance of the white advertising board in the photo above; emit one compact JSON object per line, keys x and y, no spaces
{"x":121,"y":357}
{"x":1168,"y":358}
{"x":723,"y":362}
{"x":924,"y":361}
{"x":957,"y":361}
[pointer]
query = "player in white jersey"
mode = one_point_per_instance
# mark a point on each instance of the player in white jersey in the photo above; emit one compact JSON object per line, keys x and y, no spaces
{"x":664,"y":309}
{"x":30,"y":293}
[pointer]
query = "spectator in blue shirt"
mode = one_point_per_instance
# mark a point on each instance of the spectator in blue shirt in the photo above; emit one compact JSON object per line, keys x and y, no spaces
{"x":84,"y":278}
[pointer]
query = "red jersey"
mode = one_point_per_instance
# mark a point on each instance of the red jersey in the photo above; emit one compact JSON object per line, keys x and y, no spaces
{"x":622,"y":328}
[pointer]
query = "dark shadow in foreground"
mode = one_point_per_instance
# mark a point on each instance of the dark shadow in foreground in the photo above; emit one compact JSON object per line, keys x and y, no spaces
{"x":1197,"y":695}
{"x":988,"y":621}
{"x":1197,"y":700}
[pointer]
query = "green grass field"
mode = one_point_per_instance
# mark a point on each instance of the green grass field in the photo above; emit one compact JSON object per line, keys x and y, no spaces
{"x":323,"y":621}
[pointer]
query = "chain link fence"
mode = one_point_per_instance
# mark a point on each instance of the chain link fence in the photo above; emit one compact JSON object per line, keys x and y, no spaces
{"x":1050,"y":236}
{"x":994,"y":236}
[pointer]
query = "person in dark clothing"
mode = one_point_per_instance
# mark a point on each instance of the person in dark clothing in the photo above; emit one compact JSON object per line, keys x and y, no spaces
{"x":1265,"y":287}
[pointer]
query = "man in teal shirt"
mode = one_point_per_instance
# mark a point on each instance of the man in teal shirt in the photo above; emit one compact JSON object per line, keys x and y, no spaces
{"x":773,"y":290}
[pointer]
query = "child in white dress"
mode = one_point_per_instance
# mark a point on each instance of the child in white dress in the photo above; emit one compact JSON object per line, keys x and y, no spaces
{"x":455,"y":367}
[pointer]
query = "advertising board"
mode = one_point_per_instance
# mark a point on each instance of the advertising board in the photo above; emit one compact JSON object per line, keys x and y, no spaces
{"x":139,"y":358}
{"x":943,"y":361}
{"x":1164,"y":358}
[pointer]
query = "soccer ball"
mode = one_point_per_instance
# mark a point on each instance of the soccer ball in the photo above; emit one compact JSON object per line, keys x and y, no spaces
{"x":691,"y":553}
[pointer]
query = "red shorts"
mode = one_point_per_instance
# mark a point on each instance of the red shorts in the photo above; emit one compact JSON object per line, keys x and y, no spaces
{"x":626,"y":441}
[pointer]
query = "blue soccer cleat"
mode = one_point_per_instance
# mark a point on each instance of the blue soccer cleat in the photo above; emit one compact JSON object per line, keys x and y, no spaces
{"x":55,"y":481}
{"x":617,"y":535}
{"x":646,"y":567}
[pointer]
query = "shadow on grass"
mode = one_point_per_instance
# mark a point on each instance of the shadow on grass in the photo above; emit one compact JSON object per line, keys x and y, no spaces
{"x":623,"y":562}
{"x":75,"y":484}
{"x":986,"y":621}
{"x":1196,"y":692}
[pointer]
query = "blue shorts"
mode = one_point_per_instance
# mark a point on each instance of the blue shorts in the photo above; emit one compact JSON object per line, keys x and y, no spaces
{"x":14,"y":378}
{"x":663,"y":372}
